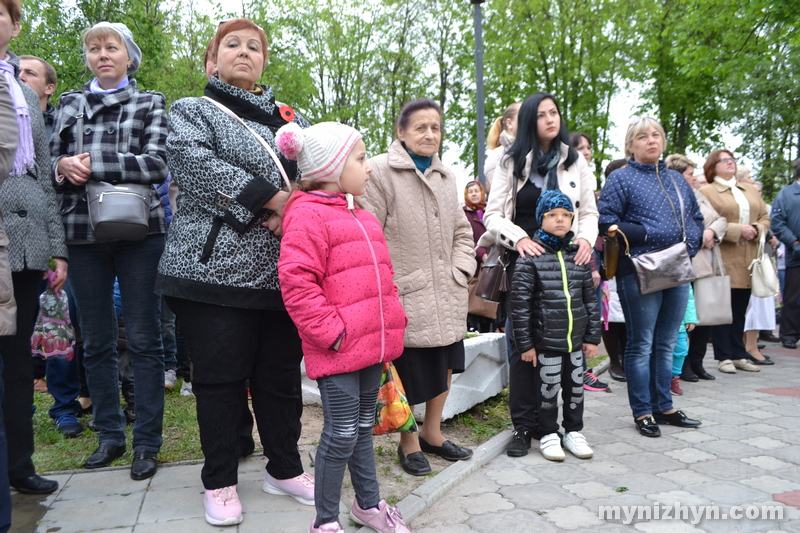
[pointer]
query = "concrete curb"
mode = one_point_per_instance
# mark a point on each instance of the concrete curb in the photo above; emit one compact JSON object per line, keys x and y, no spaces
{"x":432,"y":490}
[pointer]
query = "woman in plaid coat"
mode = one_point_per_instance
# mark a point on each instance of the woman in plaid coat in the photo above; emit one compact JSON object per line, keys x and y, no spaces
{"x":124,"y":141}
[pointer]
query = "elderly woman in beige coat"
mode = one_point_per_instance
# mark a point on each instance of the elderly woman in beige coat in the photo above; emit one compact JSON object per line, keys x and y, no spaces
{"x":741,"y":204}
{"x":430,"y":240}
{"x":715,"y":226}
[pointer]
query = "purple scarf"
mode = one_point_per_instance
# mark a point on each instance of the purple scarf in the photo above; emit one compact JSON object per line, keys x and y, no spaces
{"x":24,"y":158}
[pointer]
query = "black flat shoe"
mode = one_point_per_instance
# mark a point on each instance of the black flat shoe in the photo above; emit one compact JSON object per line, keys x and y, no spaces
{"x":617,"y":375}
{"x":144,"y":465}
{"x":414,"y":463}
{"x":447,"y":450}
{"x":647,"y":426}
{"x":702,"y":374}
{"x":678,"y":418}
{"x":103,"y":456}
{"x":761,"y":346}
{"x":765,"y":362}
{"x":691,"y":378}
{"x":792,"y":345}
{"x":34,"y":484}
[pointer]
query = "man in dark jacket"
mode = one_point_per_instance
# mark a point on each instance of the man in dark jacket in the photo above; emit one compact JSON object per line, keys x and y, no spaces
{"x":786,"y":226}
{"x":555,"y":316}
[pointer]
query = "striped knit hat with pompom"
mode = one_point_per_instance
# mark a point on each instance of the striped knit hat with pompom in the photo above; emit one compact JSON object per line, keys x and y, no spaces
{"x":320,"y":150}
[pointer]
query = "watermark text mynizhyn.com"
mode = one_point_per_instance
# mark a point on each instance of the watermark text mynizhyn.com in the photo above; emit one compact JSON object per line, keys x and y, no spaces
{"x":694,"y":513}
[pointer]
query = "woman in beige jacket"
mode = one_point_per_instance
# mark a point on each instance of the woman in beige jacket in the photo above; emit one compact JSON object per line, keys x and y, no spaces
{"x":414,"y":196}
{"x":741,"y":204}
{"x":540,"y":159}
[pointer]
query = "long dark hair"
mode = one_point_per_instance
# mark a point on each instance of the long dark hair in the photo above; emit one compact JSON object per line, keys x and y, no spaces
{"x":527,"y":139}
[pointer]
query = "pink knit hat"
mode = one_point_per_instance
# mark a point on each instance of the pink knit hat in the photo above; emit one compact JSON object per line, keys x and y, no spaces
{"x":320,"y":150}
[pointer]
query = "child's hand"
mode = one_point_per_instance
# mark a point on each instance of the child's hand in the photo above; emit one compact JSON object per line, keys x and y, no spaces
{"x":590,"y":350}
{"x":690,"y":327}
{"x":530,"y":356}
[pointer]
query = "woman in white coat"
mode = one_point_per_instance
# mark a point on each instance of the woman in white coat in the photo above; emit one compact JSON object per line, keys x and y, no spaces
{"x":539,"y":159}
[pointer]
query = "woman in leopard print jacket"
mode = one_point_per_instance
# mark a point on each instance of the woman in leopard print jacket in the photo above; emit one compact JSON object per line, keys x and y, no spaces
{"x":219,"y":270}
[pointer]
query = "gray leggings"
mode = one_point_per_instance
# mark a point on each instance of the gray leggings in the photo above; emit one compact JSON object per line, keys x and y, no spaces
{"x":348,"y":406}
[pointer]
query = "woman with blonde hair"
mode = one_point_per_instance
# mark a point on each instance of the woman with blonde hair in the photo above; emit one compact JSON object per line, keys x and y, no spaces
{"x":501,"y":136}
{"x":654,"y":208}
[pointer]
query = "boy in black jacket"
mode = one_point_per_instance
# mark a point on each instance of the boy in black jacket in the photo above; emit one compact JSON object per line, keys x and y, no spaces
{"x":555,"y":316}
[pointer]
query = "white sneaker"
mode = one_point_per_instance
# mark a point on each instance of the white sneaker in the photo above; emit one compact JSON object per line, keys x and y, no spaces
{"x":747,"y":366}
{"x":576,"y":444}
{"x":550,"y":446}
{"x":170,"y":379}
{"x":727,"y":367}
{"x":186,"y":389}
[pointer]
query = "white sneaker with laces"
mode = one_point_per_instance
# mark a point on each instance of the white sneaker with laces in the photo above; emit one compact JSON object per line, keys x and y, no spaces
{"x":170,"y":379}
{"x":223,"y":507}
{"x":550,"y":446}
{"x":186,"y":389}
{"x":301,"y":487}
{"x":576,"y":444}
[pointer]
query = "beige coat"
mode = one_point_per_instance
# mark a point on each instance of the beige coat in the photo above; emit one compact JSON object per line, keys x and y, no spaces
{"x":578,"y":183}
{"x":711,"y":220}
{"x":9,"y":137}
{"x":737,"y":255}
{"x":430,"y":241}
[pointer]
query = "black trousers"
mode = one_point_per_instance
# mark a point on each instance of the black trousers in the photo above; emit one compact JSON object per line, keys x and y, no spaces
{"x":521,"y":378}
{"x":18,"y":376}
{"x":229,"y":346}
{"x":727,"y":338}
{"x":615,"y":338}
{"x":554,"y":372}
{"x":698,"y":343}
{"x":790,"y":316}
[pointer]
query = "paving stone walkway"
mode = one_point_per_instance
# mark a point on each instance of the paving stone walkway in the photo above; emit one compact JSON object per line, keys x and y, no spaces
{"x":746,"y":453}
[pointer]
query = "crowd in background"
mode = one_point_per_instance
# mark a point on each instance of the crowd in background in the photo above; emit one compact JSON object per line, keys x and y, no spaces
{"x":212,"y":287}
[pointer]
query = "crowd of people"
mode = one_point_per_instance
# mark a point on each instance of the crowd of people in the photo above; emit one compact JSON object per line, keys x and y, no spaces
{"x":268,"y":241}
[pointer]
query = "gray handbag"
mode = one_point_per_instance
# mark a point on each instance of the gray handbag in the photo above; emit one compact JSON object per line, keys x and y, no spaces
{"x":712,"y":295}
{"x":117,"y":212}
{"x":667,"y":267}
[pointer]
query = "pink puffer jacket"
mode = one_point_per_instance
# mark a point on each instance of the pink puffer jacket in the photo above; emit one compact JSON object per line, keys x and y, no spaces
{"x":336,"y":279}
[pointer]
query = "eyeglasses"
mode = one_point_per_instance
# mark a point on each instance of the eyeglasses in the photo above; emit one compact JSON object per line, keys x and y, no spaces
{"x":727,"y":160}
{"x":552,"y":215}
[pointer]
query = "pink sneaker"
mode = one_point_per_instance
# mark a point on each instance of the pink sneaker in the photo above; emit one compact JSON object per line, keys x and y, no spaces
{"x":330,"y":527}
{"x":385,"y":519}
{"x":301,"y":488}
{"x":223,"y":507}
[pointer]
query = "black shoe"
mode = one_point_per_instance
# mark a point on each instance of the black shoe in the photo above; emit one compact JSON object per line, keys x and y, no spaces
{"x":761,"y":346}
{"x":520,"y":443}
{"x":678,"y":418}
{"x":144,"y":465}
{"x":617,"y":375}
{"x":701,"y":373}
{"x":34,"y":484}
{"x":104,"y":455}
{"x":768,"y":337}
{"x":691,"y":378}
{"x":414,"y":463}
{"x":792,"y":345}
{"x":765,"y":362}
{"x":447,"y":450}
{"x":648,"y":427}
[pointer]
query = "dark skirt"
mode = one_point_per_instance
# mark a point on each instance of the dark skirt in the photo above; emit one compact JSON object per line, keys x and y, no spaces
{"x":423,"y":371}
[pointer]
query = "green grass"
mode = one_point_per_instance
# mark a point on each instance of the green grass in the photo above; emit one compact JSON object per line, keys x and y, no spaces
{"x":54,"y":452}
{"x":594,"y":361}
{"x":487,"y":419}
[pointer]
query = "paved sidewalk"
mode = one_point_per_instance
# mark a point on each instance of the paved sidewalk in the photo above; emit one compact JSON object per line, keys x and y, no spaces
{"x":747,"y":452}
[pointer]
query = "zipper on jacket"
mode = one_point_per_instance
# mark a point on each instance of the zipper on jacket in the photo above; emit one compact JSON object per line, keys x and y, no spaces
{"x":380,"y":289}
{"x":565,"y":282}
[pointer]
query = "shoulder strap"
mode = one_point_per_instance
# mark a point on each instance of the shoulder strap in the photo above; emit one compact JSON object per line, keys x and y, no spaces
{"x":264,"y":143}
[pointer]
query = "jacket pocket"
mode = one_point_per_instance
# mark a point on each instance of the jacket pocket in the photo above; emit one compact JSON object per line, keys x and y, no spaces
{"x":411,"y":282}
{"x":6,"y":286}
{"x":460,"y":277}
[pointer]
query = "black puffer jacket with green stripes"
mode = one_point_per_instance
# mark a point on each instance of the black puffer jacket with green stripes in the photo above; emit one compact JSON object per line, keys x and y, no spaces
{"x":553,"y":302}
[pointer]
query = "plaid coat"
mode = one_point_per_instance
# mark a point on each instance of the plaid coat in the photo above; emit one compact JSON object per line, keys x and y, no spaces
{"x":29,"y":202}
{"x":125,"y":133}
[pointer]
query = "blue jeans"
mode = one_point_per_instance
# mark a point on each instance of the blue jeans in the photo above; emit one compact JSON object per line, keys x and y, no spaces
{"x":62,"y":375}
{"x":652,"y":321}
{"x":348,"y":408}
{"x":93,"y":268}
{"x":168,"y":338}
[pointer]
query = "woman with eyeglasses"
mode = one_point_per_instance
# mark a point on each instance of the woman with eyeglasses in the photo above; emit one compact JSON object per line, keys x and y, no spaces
{"x":540,"y":159}
{"x":741,"y":204}
{"x":654,"y":208}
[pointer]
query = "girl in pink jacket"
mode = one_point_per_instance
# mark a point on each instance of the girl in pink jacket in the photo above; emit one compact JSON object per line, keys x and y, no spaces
{"x":336,"y":279}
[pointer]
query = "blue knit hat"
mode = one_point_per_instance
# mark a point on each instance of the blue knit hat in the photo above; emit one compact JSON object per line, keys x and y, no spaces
{"x":552,"y":199}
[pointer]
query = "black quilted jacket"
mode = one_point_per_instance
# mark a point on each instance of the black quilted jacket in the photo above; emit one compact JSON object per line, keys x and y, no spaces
{"x":553,"y":302}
